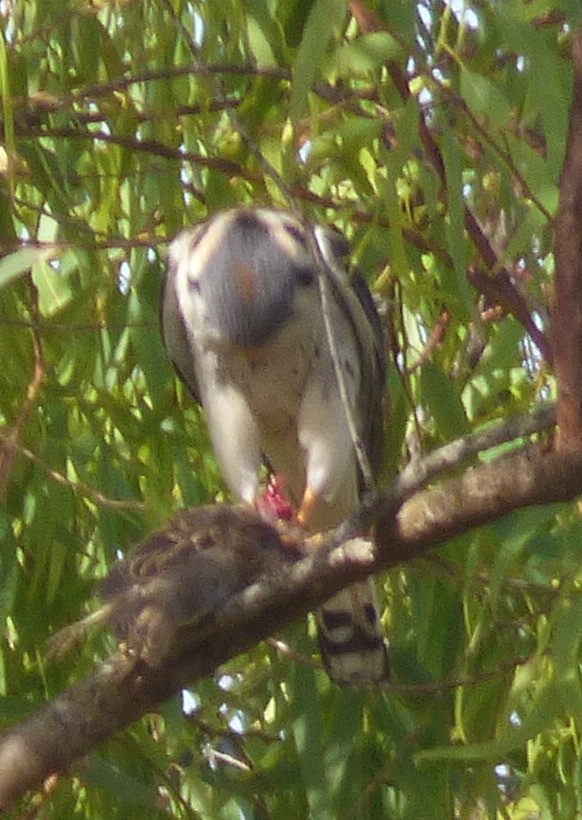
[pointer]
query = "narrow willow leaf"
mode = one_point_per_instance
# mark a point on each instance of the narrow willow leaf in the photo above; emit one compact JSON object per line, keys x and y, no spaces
{"x":317,"y":34}
{"x":19,"y":262}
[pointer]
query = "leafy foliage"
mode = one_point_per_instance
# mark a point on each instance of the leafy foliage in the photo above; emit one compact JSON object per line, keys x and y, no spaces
{"x":433,"y":135}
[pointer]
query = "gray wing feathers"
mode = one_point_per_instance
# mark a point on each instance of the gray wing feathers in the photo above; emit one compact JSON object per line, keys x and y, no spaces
{"x":174,"y":329}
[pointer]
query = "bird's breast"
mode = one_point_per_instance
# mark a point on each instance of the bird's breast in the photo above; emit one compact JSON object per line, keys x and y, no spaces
{"x":272,"y":377}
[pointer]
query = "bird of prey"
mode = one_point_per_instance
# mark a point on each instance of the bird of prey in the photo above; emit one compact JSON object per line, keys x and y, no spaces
{"x":243,"y":323}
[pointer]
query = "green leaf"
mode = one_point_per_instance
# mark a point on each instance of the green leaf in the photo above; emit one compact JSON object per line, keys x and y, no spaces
{"x":307,"y":731}
{"x":483,"y":97}
{"x":441,"y":396}
{"x":366,"y":53}
{"x":317,"y":34}
{"x":455,"y":281}
{"x":53,"y":286}
{"x":16,"y":264}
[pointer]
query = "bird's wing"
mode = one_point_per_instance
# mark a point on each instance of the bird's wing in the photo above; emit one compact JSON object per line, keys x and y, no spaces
{"x":357,"y":306}
{"x":172,"y":320}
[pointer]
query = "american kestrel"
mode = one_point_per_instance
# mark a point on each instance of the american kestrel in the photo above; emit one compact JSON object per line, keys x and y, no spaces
{"x":242,"y":321}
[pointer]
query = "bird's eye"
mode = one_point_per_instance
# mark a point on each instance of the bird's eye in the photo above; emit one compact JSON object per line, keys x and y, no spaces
{"x":340,"y":247}
{"x":194,"y":285}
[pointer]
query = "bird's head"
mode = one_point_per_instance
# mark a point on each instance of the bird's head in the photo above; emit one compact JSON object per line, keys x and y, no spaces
{"x":251,"y":269}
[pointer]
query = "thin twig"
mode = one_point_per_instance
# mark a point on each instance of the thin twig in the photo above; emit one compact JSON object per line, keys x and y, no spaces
{"x":149,"y":146}
{"x":75,"y":487}
{"x":287,"y":652}
{"x":419,"y":472}
{"x":12,"y":437}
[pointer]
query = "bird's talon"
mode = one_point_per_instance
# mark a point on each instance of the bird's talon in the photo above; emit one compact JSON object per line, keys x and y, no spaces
{"x":314,"y":542}
{"x":308,"y":504}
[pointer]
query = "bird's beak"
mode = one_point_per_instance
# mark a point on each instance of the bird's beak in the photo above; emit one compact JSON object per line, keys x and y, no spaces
{"x":253,"y":355}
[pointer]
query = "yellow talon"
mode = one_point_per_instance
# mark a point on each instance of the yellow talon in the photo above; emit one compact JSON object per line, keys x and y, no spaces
{"x":308,"y":503}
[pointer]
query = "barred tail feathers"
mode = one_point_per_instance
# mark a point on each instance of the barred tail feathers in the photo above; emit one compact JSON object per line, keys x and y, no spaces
{"x":353,"y":647}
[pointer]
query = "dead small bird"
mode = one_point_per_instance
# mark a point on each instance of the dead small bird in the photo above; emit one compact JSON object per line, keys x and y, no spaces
{"x":180,"y":575}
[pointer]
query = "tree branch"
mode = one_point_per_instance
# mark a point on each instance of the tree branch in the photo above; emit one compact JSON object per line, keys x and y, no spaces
{"x":125,"y":687}
{"x":567,"y":313}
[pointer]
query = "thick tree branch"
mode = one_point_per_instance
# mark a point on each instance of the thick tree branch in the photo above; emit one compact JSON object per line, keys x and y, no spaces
{"x":567,"y":314}
{"x":125,"y":687}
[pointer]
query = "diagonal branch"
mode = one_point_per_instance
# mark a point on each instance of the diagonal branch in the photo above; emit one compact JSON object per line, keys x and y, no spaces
{"x":125,"y":687}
